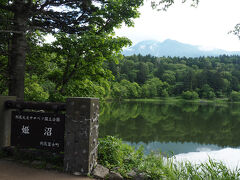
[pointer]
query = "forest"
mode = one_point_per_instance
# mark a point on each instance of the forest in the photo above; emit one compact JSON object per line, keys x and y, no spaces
{"x":191,"y":78}
{"x":84,"y":57}
{"x":53,"y":72}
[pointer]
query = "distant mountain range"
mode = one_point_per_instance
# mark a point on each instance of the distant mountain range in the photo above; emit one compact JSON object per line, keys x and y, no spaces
{"x":173,"y":48}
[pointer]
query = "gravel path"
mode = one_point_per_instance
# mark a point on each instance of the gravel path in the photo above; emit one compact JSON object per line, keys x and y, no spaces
{"x":10,"y":170}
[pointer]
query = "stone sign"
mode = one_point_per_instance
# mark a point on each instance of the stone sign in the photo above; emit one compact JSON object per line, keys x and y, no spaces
{"x":38,"y":130}
{"x":72,"y":129}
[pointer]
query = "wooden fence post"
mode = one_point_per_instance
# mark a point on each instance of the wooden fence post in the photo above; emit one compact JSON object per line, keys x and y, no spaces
{"x":81,"y":134}
{"x":5,"y":121}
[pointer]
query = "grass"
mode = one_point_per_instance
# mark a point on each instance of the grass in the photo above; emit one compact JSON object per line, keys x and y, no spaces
{"x":209,"y":170}
{"x":123,"y":158}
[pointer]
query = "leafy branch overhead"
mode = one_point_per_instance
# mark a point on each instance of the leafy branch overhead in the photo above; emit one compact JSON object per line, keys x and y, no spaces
{"x":165,"y":4}
{"x":81,"y":58}
{"x":73,"y":16}
{"x":55,"y":16}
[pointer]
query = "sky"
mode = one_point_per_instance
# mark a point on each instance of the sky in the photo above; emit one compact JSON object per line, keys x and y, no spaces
{"x":207,"y":25}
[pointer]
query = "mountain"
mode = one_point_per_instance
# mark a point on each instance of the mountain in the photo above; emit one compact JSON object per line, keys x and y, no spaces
{"x":173,"y":48}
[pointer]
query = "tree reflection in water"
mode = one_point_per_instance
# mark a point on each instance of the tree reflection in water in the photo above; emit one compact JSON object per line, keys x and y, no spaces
{"x":187,"y":126}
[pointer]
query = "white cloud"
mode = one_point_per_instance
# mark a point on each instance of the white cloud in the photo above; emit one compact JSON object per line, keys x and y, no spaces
{"x":207,"y":25}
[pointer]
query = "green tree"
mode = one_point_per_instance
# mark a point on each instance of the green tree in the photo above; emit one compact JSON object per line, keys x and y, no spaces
{"x":169,"y":77}
{"x":33,"y":90}
{"x":190,"y":80}
{"x":82,"y":88}
{"x":234,"y":96}
{"x":75,"y":17}
{"x":155,"y":87}
{"x":142,"y":73}
{"x":190,"y":95}
{"x":207,"y":92}
{"x":81,"y":58}
{"x":210,"y":77}
{"x":134,"y":90}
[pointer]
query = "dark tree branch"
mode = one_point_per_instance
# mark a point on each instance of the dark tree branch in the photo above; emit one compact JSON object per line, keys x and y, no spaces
{"x":68,"y":75}
{"x":6,"y":7}
{"x":104,"y":26}
{"x":3,"y":53}
{"x":12,"y":31}
{"x":44,"y":5}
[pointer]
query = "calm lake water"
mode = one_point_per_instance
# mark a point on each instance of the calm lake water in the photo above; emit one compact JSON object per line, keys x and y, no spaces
{"x":173,"y":128}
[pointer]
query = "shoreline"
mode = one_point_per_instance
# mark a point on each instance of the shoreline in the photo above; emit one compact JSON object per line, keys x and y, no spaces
{"x":176,"y":100}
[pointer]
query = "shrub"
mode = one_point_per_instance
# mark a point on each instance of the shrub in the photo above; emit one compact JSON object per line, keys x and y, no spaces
{"x":112,"y":152}
{"x":234,"y":96}
{"x":34,"y":91}
{"x":189,"y":95}
{"x":207,"y":92}
{"x":211,"y":95}
{"x":164,"y":93}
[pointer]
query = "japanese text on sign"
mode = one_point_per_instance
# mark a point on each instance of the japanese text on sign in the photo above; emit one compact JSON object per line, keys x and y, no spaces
{"x":38,"y":130}
{"x":31,"y":117}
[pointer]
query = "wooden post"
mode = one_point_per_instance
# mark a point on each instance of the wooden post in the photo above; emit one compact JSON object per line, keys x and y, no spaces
{"x":81,"y":134}
{"x":5,"y":121}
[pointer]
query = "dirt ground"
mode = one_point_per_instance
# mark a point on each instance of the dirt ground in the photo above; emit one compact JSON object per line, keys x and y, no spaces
{"x":10,"y":170}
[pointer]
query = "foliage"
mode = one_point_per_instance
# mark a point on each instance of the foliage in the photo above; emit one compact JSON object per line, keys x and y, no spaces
{"x":86,"y":19}
{"x":85,"y":88}
{"x":209,"y":77}
{"x":112,"y":152}
{"x":34,"y":91}
{"x":71,"y":66}
{"x":152,"y":88}
{"x":118,"y":91}
{"x":234,"y":96}
{"x":81,"y":58}
{"x":190,"y":95}
{"x":207,"y":92}
{"x":165,"y":4}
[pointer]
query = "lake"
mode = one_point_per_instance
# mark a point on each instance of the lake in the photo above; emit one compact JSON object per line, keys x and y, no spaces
{"x":173,"y":128}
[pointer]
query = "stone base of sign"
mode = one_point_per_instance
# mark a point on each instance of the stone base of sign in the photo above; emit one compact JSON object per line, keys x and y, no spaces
{"x":81,"y":135}
{"x":100,"y":172}
{"x":5,"y":121}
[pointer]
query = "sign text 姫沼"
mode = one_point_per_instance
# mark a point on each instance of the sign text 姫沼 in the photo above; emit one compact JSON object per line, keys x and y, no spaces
{"x":38,"y":130}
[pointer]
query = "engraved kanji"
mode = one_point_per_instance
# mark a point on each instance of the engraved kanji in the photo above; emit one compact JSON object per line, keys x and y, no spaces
{"x":25,"y":130}
{"x":47,"y":131}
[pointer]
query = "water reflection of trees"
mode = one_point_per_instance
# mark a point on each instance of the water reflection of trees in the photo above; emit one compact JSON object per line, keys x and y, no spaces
{"x":147,"y":122}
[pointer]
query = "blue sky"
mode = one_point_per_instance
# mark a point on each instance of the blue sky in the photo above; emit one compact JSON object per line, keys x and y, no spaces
{"x":207,"y":25}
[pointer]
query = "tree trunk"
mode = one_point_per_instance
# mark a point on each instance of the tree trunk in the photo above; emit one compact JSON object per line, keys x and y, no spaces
{"x":18,"y":55}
